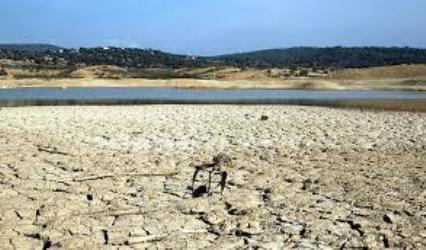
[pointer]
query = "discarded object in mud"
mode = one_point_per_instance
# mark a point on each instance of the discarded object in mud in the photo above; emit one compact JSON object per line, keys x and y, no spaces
{"x":51,"y":150}
{"x":209,"y":174}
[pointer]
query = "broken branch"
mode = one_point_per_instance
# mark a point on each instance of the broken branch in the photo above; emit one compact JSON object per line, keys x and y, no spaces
{"x":104,"y":176}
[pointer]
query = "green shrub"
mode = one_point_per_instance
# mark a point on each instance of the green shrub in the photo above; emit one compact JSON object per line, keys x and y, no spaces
{"x":303,"y":72}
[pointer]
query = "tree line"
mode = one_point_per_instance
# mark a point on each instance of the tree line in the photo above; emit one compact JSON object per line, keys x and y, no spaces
{"x":333,"y":57}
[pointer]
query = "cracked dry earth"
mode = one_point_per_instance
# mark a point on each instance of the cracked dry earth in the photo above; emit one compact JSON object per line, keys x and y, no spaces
{"x":302,"y":177}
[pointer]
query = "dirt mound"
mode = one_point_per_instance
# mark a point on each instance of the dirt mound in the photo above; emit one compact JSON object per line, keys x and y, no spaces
{"x":319,"y":85}
{"x":22,"y":73}
{"x":102,"y":71}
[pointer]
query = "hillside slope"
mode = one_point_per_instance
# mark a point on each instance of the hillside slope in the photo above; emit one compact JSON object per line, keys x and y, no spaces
{"x":305,"y":57}
{"x":29,"y":47}
{"x":339,"y":57}
{"x":383,"y":72}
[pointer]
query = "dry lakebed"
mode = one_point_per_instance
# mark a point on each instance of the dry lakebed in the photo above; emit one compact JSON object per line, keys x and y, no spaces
{"x":121,"y":177}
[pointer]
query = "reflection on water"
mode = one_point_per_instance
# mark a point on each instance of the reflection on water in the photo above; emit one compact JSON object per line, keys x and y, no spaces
{"x":198,"y":94}
{"x":113,"y":96}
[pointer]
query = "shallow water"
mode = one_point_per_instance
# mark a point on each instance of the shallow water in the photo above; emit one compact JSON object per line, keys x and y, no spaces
{"x":197,"y":95}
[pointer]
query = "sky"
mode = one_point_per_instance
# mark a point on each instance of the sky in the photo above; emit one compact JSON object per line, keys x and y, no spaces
{"x":212,"y":27}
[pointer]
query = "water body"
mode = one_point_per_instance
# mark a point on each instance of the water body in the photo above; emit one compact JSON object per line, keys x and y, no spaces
{"x":70,"y":96}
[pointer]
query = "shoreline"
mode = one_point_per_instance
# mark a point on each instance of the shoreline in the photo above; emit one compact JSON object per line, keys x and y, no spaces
{"x":396,"y":105}
{"x":290,"y":84}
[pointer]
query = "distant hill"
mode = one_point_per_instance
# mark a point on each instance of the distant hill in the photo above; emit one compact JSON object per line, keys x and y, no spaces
{"x":308,"y":57}
{"x":338,"y":57}
{"x":383,"y":72}
{"x":29,"y":47}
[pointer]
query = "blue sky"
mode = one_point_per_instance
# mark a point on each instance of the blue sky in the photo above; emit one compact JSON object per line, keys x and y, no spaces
{"x":209,"y":27}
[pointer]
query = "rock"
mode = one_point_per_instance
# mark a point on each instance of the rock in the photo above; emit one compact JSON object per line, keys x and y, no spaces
{"x":212,"y":219}
{"x":237,"y":211}
{"x":355,"y":243}
{"x":24,"y":243}
{"x":250,"y":242}
{"x":103,"y":237}
{"x":143,"y":239}
{"x":194,"y":211}
{"x":89,"y":197}
{"x":385,"y":240}
{"x":361,"y":212}
{"x":292,"y":227}
{"x":264,"y":118}
{"x":250,"y":229}
{"x":306,"y":184}
{"x":372,"y":241}
{"x":133,"y":192}
{"x":389,"y":218}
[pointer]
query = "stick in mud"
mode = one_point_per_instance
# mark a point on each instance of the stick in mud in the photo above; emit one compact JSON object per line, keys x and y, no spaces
{"x":99,"y":177}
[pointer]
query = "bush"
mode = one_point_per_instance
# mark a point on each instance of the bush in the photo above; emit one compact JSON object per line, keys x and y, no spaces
{"x":2,"y":72}
{"x":303,"y":72}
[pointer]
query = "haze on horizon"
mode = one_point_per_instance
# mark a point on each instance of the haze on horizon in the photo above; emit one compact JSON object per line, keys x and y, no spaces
{"x":214,"y":26}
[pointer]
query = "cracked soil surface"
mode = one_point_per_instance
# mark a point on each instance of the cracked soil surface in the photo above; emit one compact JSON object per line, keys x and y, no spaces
{"x":301,"y":177}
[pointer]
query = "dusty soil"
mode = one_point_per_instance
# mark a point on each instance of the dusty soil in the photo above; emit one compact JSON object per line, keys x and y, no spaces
{"x":119,"y":177}
{"x":396,"y":71}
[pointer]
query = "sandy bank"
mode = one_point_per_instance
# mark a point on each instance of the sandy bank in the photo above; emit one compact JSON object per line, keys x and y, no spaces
{"x":320,"y":84}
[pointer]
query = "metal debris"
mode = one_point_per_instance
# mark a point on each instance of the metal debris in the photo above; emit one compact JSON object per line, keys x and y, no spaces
{"x":207,"y":175}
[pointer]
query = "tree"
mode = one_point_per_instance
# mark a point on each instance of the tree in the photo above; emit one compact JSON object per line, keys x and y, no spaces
{"x":303,"y":72}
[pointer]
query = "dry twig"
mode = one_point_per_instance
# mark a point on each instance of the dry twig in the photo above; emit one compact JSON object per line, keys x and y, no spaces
{"x":104,"y":176}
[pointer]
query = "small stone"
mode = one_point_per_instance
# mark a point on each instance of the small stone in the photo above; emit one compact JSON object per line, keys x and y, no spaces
{"x":237,"y":211}
{"x":306,"y":184}
{"x":389,"y":218}
{"x":194,"y":211}
{"x":251,"y":229}
{"x":133,"y":192}
{"x":360,"y":212}
{"x":291,"y":227}
{"x":250,"y":242}
{"x":264,"y":118}
{"x":356,"y":243}
{"x":385,"y":241}
{"x":404,"y":233}
{"x":143,"y":239}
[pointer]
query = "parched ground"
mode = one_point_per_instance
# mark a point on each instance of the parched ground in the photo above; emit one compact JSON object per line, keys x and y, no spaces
{"x":302,"y":177}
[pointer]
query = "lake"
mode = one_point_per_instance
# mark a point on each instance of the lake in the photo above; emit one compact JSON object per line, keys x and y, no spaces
{"x":125,"y":95}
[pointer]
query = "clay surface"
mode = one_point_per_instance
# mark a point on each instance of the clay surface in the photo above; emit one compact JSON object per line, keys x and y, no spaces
{"x":119,"y":178}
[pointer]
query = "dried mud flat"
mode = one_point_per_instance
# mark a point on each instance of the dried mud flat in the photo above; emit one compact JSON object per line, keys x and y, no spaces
{"x":302,"y":177}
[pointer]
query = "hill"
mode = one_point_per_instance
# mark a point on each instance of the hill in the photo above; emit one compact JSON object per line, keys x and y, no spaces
{"x":53,"y":56}
{"x":30,"y":47}
{"x":293,"y":58}
{"x":383,"y":72}
{"x":335,"y":57}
